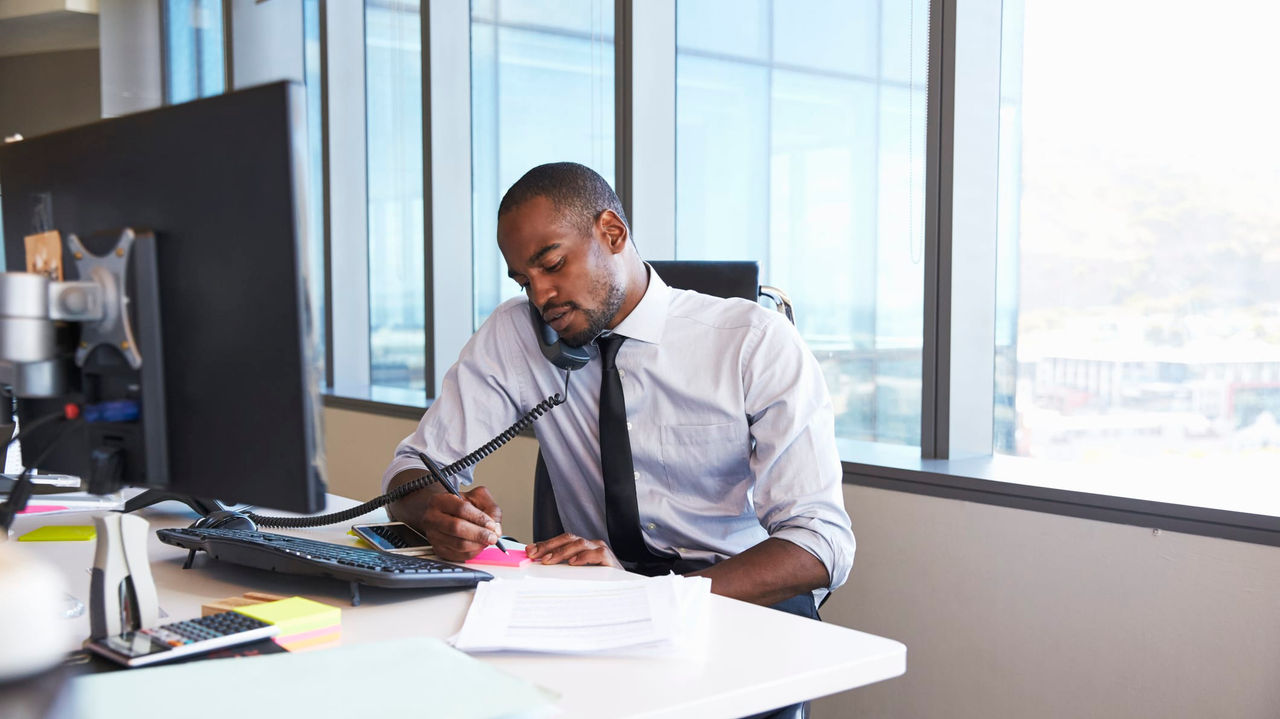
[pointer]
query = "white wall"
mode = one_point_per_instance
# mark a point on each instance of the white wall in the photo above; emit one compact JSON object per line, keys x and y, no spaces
{"x":359,"y":448}
{"x":1010,"y":613}
{"x":129,"y":42}
{"x":1005,"y":613}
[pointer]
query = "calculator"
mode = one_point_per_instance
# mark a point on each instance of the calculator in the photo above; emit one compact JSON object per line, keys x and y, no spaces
{"x":181,"y":639}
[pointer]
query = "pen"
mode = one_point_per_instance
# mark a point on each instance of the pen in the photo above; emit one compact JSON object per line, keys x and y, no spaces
{"x":436,"y":472}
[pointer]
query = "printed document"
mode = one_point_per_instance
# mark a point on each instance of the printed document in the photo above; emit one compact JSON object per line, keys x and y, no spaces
{"x":660,"y":614}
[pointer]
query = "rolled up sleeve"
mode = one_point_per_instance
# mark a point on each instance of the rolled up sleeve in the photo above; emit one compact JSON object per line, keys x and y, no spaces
{"x":798,"y":494}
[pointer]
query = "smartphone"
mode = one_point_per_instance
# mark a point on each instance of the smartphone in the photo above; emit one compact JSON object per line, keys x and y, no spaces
{"x":394,"y":538}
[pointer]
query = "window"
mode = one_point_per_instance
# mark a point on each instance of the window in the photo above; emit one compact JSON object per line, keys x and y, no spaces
{"x":542,"y":90}
{"x":1024,"y":268}
{"x":312,"y":49}
{"x":393,"y":146}
{"x":193,"y":49}
{"x":1140,"y":314}
{"x":800,"y":144}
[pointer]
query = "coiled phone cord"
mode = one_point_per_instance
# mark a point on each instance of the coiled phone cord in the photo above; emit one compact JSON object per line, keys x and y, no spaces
{"x":407,"y":488}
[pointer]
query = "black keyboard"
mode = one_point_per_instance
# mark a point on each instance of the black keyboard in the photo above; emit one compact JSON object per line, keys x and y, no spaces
{"x":295,"y":555}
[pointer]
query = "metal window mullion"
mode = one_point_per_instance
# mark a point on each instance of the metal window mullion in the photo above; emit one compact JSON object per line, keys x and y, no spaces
{"x":960,"y":273}
{"x":347,"y":203}
{"x":446,"y":143}
{"x":623,"y":47}
{"x":974,"y":227}
{"x":940,"y":116}
{"x":197,"y":45}
{"x":645,"y":133}
{"x":874,"y":280}
{"x":428,"y":206}
{"x":228,"y":48}
{"x":769,"y":127}
{"x":266,"y":42}
{"x":166,"y":69}
{"x":326,"y":239}
{"x":131,"y":68}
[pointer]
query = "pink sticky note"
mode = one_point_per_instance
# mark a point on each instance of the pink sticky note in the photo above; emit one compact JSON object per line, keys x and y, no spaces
{"x":37,"y":508}
{"x":493,"y":555}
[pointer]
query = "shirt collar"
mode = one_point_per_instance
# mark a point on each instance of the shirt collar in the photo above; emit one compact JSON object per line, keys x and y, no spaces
{"x":647,"y":320}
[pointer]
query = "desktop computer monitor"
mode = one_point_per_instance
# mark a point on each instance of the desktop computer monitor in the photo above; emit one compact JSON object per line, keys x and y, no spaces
{"x":223,"y":363}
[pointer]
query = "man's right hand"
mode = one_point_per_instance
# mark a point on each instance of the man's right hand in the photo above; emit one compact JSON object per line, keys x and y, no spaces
{"x":458,"y":528}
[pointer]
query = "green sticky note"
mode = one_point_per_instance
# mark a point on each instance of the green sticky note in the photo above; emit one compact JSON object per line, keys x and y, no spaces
{"x":57,"y":533}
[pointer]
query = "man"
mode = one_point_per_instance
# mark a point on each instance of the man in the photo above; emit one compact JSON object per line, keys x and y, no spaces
{"x":732,"y":471}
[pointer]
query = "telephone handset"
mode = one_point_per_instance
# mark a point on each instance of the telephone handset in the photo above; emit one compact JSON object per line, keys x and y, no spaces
{"x":553,"y":348}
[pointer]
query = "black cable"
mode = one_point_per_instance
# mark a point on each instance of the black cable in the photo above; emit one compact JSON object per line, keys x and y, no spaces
{"x":22,"y":487}
{"x":32,"y":426}
{"x":424,"y":481}
{"x":66,"y":428}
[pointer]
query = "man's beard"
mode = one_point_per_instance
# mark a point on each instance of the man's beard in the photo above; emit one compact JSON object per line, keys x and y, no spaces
{"x":599,"y":319}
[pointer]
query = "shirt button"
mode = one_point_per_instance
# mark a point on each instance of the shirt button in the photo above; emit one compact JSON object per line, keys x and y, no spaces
{"x":637,"y":475}
{"x":622,"y":373}
{"x":651,"y":525}
{"x":628,"y":426}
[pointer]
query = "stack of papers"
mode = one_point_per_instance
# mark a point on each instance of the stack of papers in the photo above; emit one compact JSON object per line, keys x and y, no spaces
{"x":655,"y":615}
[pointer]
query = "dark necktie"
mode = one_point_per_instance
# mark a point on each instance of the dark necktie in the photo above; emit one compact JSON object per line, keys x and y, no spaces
{"x":622,"y":516}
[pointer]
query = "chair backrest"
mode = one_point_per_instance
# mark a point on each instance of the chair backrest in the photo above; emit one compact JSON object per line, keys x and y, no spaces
{"x":729,"y":278}
{"x":718,"y":279}
{"x":723,"y":278}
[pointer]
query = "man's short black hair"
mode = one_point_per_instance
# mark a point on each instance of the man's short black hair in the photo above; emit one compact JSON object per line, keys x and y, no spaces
{"x":577,"y":192}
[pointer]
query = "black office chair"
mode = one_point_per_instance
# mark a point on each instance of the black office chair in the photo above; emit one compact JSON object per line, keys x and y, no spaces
{"x":732,"y":278}
{"x":719,"y":279}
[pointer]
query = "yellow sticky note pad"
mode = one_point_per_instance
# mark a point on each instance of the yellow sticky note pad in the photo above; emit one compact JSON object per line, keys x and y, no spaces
{"x":294,"y":615}
{"x":360,"y":540}
{"x":59,"y":534}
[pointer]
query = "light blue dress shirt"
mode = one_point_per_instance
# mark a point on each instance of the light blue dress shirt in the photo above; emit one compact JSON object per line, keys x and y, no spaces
{"x":731,"y":426}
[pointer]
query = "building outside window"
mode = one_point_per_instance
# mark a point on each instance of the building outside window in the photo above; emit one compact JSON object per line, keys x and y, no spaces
{"x":1141,"y":311}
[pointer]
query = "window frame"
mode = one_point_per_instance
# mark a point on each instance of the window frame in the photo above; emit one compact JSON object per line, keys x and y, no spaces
{"x":951,"y":462}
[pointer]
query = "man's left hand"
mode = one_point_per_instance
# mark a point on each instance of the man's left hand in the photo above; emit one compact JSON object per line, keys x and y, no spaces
{"x":574,"y":550}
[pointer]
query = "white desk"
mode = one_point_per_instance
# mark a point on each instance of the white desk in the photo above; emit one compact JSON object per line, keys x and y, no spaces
{"x":758,"y":658}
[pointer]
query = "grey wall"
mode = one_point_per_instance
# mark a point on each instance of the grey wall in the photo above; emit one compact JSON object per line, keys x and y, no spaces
{"x":48,"y":91}
{"x":266,"y":42}
{"x":1005,"y":613}
{"x":129,"y":40}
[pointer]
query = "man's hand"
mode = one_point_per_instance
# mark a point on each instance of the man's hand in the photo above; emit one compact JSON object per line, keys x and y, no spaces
{"x":458,"y":528}
{"x":767,"y":573}
{"x":574,"y":550}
